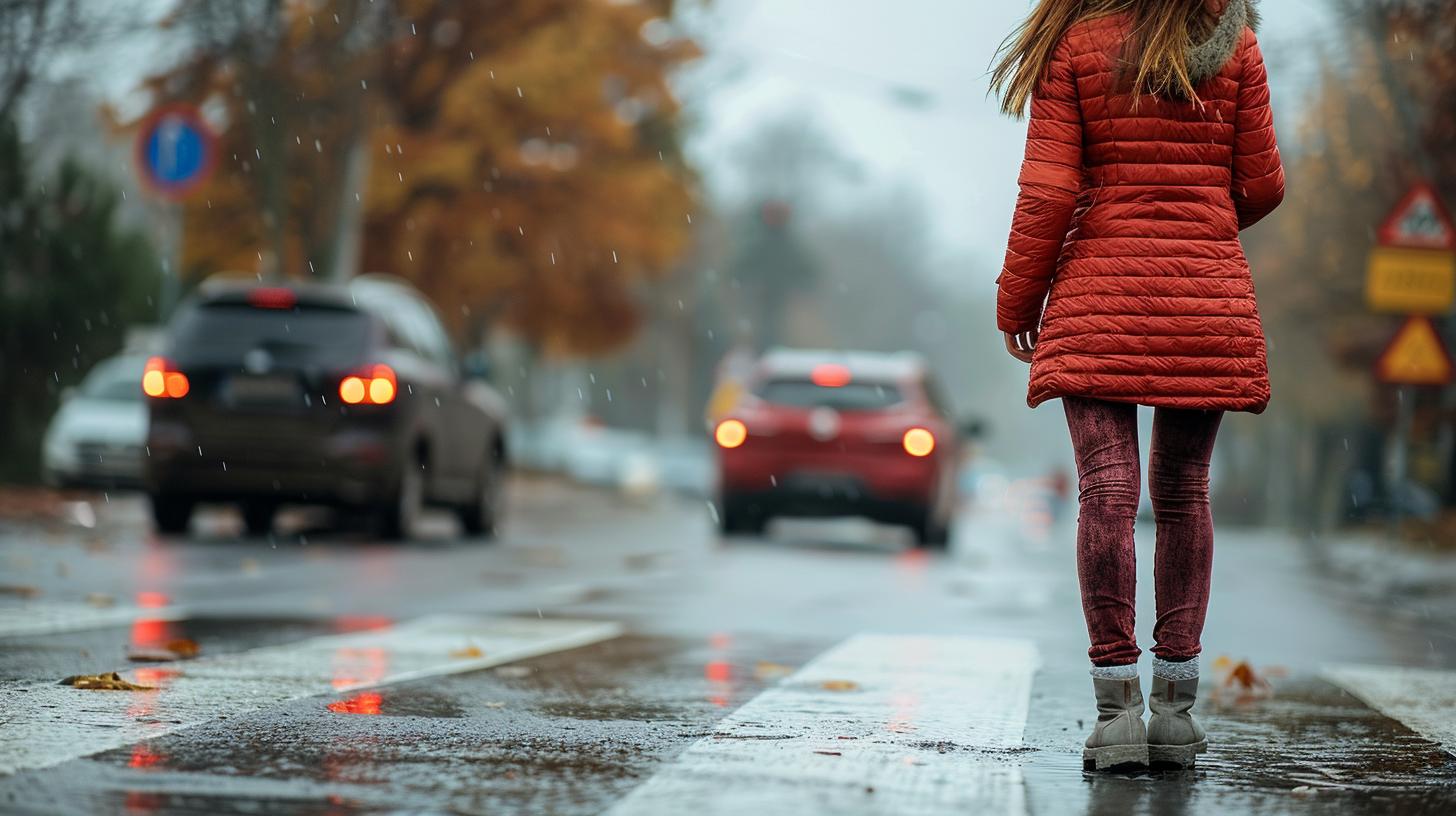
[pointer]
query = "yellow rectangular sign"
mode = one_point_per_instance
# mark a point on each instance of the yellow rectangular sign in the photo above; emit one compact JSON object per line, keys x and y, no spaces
{"x":1411,"y":281}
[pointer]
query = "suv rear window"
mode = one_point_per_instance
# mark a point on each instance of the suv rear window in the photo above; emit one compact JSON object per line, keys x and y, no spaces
{"x":227,"y":331}
{"x":854,"y":396}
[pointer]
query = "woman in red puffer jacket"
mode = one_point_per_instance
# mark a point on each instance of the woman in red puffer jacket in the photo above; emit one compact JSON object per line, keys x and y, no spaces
{"x":1150,"y":146}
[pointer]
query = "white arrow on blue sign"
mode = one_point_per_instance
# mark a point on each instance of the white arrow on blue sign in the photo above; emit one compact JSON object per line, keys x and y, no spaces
{"x":175,"y":151}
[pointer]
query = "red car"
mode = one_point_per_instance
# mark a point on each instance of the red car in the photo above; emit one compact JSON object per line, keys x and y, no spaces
{"x":832,"y":433}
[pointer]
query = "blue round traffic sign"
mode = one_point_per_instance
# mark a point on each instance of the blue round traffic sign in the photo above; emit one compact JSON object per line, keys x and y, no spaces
{"x":175,"y":150}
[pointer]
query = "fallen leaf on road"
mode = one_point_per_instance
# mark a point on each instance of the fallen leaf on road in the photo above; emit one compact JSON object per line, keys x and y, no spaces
{"x":1240,"y":683}
{"x":19,"y":591}
{"x":100,"y":600}
{"x":765,"y":670}
{"x":495,"y":705}
{"x":111,"y":681}
{"x":839,"y":685}
{"x":468,"y":652}
{"x":250,"y":566}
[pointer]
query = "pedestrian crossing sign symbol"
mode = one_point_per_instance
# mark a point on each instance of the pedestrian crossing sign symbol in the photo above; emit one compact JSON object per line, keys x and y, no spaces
{"x":1416,"y":356}
{"x":1419,"y":221}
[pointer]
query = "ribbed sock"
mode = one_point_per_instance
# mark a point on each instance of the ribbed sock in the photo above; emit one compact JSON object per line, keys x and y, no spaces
{"x":1176,"y":670}
{"x":1128,"y":672}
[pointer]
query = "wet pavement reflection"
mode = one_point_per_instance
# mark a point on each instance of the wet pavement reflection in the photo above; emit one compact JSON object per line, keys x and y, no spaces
{"x":710,"y":627}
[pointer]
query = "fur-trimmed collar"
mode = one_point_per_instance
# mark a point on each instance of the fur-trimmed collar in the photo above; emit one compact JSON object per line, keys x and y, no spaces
{"x":1208,"y":58}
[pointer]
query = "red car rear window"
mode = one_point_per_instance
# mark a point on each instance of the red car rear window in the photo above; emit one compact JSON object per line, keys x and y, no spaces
{"x":854,"y":396}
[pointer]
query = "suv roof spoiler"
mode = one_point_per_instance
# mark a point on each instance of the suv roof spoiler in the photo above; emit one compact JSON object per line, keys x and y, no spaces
{"x":295,"y":293}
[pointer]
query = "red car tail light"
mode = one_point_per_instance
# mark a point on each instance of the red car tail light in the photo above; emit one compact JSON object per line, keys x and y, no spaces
{"x":376,"y":386}
{"x":161,"y":380}
{"x":730,"y":433}
{"x":918,"y":442}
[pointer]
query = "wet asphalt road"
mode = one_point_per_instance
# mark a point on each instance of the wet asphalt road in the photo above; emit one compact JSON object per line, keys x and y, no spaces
{"x":708,"y":627}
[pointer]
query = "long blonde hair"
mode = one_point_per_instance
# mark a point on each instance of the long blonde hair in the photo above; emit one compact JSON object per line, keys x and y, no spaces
{"x":1154,"y":61}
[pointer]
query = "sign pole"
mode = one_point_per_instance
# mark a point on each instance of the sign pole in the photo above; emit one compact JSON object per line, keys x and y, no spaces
{"x":1400,"y":456}
{"x":171,"y":240}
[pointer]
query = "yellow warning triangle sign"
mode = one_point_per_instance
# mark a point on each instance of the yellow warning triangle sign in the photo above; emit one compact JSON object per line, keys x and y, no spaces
{"x":1416,"y":356}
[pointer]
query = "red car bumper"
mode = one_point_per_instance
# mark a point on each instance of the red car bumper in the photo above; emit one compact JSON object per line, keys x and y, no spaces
{"x":830,"y":478}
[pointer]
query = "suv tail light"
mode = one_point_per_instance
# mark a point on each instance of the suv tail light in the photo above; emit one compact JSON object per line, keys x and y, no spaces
{"x":918,"y":442}
{"x":161,"y":380}
{"x":730,"y":433}
{"x":376,"y":386}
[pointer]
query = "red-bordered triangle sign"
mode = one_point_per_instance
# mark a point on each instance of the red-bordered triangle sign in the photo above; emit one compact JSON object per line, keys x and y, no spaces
{"x":1419,"y":221}
{"x":1415,"y":356}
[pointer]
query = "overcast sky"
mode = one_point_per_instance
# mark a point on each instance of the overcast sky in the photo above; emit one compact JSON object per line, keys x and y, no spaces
{"x":842,"y":61}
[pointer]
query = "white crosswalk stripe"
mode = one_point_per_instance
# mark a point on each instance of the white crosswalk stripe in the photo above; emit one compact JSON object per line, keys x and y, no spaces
{"x":47,"y":724}
{"x":1422,"y":700}
{"x":33,"y":619}
{"x":928,"y":726}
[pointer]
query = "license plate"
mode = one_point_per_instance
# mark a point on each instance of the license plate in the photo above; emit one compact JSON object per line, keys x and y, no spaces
{"x":269,"y":391}
{"x":825,"y":484}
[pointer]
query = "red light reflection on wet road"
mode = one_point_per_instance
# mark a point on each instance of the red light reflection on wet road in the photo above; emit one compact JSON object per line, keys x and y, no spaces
{"x":719,"y":670}
{"x":365,"y":702}
{"x":144,"y":757}
{"x":148,"y":599}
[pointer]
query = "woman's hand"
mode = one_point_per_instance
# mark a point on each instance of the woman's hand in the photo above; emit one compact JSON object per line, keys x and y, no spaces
{"x":1021,"y":344}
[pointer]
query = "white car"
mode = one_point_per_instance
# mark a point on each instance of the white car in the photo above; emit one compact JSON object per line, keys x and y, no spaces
{"x":98,"y":437}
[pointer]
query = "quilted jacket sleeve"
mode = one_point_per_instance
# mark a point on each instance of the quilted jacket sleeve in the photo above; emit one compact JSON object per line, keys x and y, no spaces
{"x":1051,"y":177}
{"x":1258,"y":185}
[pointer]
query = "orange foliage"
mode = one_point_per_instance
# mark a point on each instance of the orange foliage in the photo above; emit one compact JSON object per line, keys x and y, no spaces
{"x":520,"y":165}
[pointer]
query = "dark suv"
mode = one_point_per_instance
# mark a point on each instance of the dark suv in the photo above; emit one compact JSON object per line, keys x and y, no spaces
{"x":347,"y":395}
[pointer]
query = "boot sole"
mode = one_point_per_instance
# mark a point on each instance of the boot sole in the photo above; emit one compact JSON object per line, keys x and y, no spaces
{"x":1115,"y":758}
{"x":1175,"y":757}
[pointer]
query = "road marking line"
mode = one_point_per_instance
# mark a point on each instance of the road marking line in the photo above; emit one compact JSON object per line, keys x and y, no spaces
{"x":32,"y":619}
{"x":47,"y":724}
{"x":1420,"y":699}
{"x":920,"y":733}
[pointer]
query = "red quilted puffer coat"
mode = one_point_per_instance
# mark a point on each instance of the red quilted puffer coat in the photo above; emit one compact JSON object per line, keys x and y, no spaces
{"x":1125,"y":246}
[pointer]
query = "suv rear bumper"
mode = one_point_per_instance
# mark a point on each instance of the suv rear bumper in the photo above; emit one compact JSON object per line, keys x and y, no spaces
{"x":345,"y":467}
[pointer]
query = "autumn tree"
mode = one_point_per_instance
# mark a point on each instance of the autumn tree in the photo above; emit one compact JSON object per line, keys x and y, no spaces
{"x":517,"y":160}
{"x":530,"y":165}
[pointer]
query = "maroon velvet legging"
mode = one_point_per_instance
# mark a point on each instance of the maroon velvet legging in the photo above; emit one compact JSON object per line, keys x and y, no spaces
{"x":1105,"y":439}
